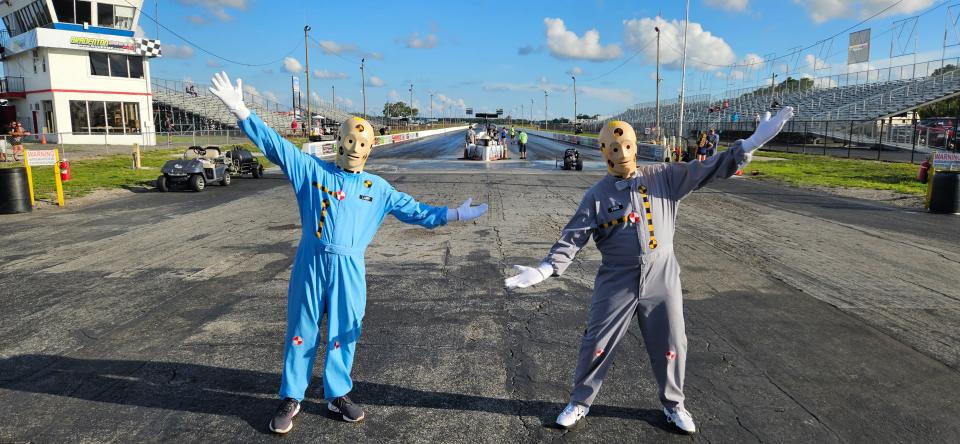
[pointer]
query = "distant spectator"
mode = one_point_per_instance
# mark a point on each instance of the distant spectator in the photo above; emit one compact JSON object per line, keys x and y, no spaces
{"x":702,"y":146}
{"x":713,"y":139}
{"x":16,"y":130}
{"x":192,"y":90}
{"x":293,"y":126}
{"x":383,"y":130}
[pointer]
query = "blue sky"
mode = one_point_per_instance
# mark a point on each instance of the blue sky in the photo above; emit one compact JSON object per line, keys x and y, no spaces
{"x":500,"y":54}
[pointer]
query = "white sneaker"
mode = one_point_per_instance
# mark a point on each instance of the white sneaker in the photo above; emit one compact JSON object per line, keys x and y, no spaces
{"x":571,"y":414}
{"x":681,"y":418}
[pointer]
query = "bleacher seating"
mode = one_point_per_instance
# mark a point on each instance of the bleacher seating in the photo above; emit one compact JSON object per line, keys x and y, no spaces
{"x":208,"y":108}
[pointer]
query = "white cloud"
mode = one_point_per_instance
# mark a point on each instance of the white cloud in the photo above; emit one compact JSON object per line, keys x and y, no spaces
{"x":394,"y":95}
{"x":250,"y":89}
{"x":607,"y":94}
{"x":575,"y":71}
{"x":729,"y":5}
{"x":426,"y":42}
{"x":375,"y":81}
{"x":344,"y":102}
{"x":824,"y":10}
{"x":704,"y":50}
{"x":566,"y":45}
{"x":752,"y":62}
{"x":271,"y":96}
{"x":292,"y":65}
{"x":211,"y":63}
{"x":528,"y":49}
{"x":196,"y":19}
{"x":178,"y":52}
{"x":218,"y":7}
{"x":812,"y":61}
{"x":334,"y":48}
{"x":330,"y":75}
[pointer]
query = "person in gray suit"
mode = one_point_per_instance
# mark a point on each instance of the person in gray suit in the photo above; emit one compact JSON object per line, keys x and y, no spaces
{"x":630,"y":215}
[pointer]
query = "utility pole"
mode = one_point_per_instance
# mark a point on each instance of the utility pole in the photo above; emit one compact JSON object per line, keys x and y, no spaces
{"x":531,"y":111}
{"x":431,"y":105}
{"x":773,"y":87}
{"x":306,"y":48}
{"x":656,"y":131}
{"x":411,"y":100}
{"x":683,"y":69}
{"x":333,"y":96}
{"x":363,"y":88}
{"x":545,"y":109}
{"x":521,"y":111}
{"x":574,"y":103}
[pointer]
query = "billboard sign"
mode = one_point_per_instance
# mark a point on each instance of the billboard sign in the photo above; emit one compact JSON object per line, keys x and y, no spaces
{"x":859,"y":49}
{"x":296,"y":84}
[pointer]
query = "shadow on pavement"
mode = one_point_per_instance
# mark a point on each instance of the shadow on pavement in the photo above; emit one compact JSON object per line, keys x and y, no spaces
{"x":241,"y":393}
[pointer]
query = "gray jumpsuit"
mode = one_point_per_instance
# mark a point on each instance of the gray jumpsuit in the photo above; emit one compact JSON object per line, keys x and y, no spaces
{"x":632,"y":223}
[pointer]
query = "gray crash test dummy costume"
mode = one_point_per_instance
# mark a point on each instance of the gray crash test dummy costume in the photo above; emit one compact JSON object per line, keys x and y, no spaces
{"x":630,"y":215}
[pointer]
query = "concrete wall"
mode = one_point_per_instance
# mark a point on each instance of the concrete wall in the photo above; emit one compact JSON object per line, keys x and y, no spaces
{"x":328,"y":148}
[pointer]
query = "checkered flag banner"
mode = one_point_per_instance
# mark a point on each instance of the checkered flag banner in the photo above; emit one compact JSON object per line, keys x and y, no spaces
{"x":149,"y":47}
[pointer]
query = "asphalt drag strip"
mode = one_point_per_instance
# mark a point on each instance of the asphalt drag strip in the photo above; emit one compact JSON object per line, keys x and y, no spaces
{"x":161,"y":316}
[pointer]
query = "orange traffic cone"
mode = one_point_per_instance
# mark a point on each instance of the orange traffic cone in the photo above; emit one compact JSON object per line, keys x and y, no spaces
{"x":43,"y":139}
{"x":738,"y":173}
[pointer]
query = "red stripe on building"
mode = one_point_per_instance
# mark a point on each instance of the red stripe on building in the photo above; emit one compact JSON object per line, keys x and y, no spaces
{"x":87,"y":92}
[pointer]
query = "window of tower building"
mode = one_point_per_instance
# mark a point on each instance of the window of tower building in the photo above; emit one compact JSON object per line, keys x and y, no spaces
{"x":113,"y":16}
{"x":72,"y":11}
{"x":104,"y":117}
{"x":116,"y":65}
{"x":34,"y":15}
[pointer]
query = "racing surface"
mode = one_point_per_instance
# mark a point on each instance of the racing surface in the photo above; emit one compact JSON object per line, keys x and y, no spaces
{"x":160,"y":316}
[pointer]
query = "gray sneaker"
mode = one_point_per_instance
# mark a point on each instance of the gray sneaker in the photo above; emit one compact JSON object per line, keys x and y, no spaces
{"x":282,"y":421}
{"x":346,"y":408}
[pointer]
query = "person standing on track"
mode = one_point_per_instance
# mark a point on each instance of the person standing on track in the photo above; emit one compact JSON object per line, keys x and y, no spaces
{"x":630,"y":215}
{"x":522,"y":141}
{"x":341,"y":208}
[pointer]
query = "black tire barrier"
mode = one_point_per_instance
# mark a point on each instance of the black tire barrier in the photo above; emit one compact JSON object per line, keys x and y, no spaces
{"x":14,"y":191}
{"x":945,"y":192}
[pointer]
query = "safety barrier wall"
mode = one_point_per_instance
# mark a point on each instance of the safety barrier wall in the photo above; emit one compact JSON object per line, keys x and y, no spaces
{"x":328,"y":148}
{"x":646,"y":151}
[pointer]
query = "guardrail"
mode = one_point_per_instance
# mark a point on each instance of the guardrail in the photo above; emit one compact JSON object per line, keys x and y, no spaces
{"x":328,"y":148}
{"x":647,"y":151}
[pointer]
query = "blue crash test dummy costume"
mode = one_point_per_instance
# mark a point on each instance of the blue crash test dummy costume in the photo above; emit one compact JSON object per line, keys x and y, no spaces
{"x":341,"y":209}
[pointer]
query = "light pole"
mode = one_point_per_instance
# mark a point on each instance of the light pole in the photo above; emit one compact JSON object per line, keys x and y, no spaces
{"x":306,"y":48}
{"x":363,"y":88}
{"x":683,"y":69}
{"x":411,"y":100}
{"x":773,"y":87}
{"x":333,"y":96}
{"x":431,"y":105}
{"x":574,"y":103}
{"x":656,"y":131}
{"x":545,"y":109}
{"x":531,"y":111}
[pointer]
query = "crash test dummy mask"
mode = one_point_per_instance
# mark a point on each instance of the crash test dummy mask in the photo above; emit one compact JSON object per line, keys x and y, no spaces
{"x":355,"y":140}
{"x":618,"y":143}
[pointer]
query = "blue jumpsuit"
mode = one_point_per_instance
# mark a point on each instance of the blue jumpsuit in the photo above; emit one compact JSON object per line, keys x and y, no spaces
{"x":340,"y":212}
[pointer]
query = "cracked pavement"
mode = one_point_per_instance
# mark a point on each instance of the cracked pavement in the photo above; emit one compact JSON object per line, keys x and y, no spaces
{"x":160,"y":317}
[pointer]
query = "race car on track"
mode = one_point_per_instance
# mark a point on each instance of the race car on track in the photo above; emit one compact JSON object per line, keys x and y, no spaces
{"x":571,"y":160}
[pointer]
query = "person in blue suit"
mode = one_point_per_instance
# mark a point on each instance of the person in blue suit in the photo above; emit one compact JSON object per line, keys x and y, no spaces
{"x":341,"y":208}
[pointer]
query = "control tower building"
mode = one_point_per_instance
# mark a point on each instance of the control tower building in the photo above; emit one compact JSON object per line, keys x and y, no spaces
{"x":75,"y":71}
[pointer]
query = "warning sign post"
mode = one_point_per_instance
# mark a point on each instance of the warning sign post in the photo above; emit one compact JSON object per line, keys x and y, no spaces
{"x":32,"y":158}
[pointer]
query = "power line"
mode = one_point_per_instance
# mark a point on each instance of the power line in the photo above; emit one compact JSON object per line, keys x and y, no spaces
{"x":211,"y":53}
{"x":622,"y":64}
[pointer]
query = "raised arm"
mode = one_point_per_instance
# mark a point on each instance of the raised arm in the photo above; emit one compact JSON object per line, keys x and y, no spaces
{"x":277,"y":149}
{"x":684,"y":178}
{"x":573,"y":238}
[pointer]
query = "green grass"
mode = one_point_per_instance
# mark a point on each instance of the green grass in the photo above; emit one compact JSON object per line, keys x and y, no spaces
{"x":817,"y":170}
{"x":108,"y":172}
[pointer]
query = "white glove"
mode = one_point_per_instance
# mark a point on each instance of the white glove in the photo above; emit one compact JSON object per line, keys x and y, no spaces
{"x":465,"y":212}
{"x":230,"y":95}
{"x":767,"y":129}
{"x":529,"y":276}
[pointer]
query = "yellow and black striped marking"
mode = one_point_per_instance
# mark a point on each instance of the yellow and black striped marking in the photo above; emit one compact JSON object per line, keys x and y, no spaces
{"x":367,"y":183}
{"x":646,"y":208}
{"x":323,"y":216}
{"x":334,"y":194}
{"x":622,"y":220}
